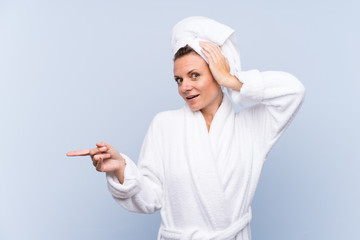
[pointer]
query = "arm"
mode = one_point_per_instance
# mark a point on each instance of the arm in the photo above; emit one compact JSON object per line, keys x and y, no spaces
{"x":136,"y":188}
{"x":142,"y":188}
{"x":277,"y":95}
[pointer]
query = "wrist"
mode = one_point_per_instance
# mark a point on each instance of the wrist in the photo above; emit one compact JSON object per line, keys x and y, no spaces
{"x":119,"y":173}
{"x":232,"y":82}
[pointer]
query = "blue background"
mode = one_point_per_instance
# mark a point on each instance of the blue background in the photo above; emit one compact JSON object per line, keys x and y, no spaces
{"x":74,"y":73}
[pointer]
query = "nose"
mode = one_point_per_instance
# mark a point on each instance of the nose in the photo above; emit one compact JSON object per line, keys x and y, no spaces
{"x":186,"y":85}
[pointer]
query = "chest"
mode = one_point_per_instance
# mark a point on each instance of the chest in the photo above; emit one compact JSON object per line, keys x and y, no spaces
{"x":230,"y":153}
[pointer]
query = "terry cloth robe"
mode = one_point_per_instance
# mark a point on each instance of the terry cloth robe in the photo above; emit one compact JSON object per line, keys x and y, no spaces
{"x":204,"y":182}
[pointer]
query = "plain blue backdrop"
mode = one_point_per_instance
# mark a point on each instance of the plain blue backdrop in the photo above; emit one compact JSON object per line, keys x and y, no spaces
{"x":74,"y":73}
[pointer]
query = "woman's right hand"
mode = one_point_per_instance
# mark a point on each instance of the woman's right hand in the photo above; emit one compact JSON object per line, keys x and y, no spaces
{"x":105,"y":158}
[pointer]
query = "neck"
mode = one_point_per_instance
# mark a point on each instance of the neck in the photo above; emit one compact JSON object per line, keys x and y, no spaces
{"x":209,"y":112}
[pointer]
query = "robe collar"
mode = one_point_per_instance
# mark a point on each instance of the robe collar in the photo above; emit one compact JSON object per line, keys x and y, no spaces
{"x":201,"y":159}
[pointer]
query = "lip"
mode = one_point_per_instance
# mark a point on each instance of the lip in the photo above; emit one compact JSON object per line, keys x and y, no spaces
{"x":192,"y":98}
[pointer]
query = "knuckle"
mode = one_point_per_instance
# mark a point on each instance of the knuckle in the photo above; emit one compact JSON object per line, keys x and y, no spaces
{"x":93,"y":152}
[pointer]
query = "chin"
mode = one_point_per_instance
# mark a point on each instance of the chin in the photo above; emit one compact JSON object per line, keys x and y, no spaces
{"x":194,"y":108}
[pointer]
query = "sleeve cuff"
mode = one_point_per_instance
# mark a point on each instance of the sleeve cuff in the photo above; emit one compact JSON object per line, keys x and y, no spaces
{"x":252,"y":90}
{"x":131,"y":184}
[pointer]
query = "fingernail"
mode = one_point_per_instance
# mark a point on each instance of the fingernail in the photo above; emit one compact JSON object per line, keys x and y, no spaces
{"x":102,"y":149}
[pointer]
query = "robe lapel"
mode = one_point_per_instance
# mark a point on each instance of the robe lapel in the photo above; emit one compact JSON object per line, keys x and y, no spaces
{"x":203,"y":170}
{"x":223,"y":141}
{"x":222,"y":129}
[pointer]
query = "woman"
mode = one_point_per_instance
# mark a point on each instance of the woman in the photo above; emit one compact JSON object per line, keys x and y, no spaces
{"x":200,"y":164}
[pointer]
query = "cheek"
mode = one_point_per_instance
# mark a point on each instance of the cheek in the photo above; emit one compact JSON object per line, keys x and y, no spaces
{"x":180,"y":92}
{"x":207,"y":86}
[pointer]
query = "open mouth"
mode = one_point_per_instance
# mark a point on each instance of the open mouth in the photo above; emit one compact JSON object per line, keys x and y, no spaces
{"x":192,"y":97}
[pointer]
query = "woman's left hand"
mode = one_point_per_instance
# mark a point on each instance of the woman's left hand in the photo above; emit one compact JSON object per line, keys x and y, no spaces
{"x":219,"y":66}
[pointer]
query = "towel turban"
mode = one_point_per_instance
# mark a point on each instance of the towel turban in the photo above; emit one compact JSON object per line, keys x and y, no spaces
{"x":191,"y":30}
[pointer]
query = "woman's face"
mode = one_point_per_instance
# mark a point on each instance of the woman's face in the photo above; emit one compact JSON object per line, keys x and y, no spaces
{"x":196,"y":84}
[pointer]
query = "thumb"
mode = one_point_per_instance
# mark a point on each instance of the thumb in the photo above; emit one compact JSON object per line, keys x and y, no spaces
{"x":103,"y":144}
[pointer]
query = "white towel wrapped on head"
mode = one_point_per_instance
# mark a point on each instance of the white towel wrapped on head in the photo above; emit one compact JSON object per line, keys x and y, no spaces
{"x":191,"y":30}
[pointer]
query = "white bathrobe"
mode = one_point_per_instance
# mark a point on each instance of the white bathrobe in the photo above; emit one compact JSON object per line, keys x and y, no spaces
{"x":204,"y":182}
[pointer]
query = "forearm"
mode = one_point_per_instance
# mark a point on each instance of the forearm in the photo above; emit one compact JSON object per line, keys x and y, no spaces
{"x":276,"y":89}
{"x":140,"y":192}
{"x":147,"y":200}
{"x":138,"y":187}
{"x":277,"y":96}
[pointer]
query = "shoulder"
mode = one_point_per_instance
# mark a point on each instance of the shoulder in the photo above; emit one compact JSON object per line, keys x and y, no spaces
{"x":167,"y":119}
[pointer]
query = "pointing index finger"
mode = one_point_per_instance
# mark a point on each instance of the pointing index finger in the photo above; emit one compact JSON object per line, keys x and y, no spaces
{"x":83,"y":152}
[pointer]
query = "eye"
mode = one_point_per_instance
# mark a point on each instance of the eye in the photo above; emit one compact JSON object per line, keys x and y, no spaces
{"x":178,"y":80}
{"x":195,"y":75}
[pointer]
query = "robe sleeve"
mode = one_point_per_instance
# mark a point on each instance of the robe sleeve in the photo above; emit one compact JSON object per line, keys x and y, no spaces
{"x":142,"y":189}
{"x":277,"y":96}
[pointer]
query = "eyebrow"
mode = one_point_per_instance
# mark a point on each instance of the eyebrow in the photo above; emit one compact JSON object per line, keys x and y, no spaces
{"x":189,"y":72}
